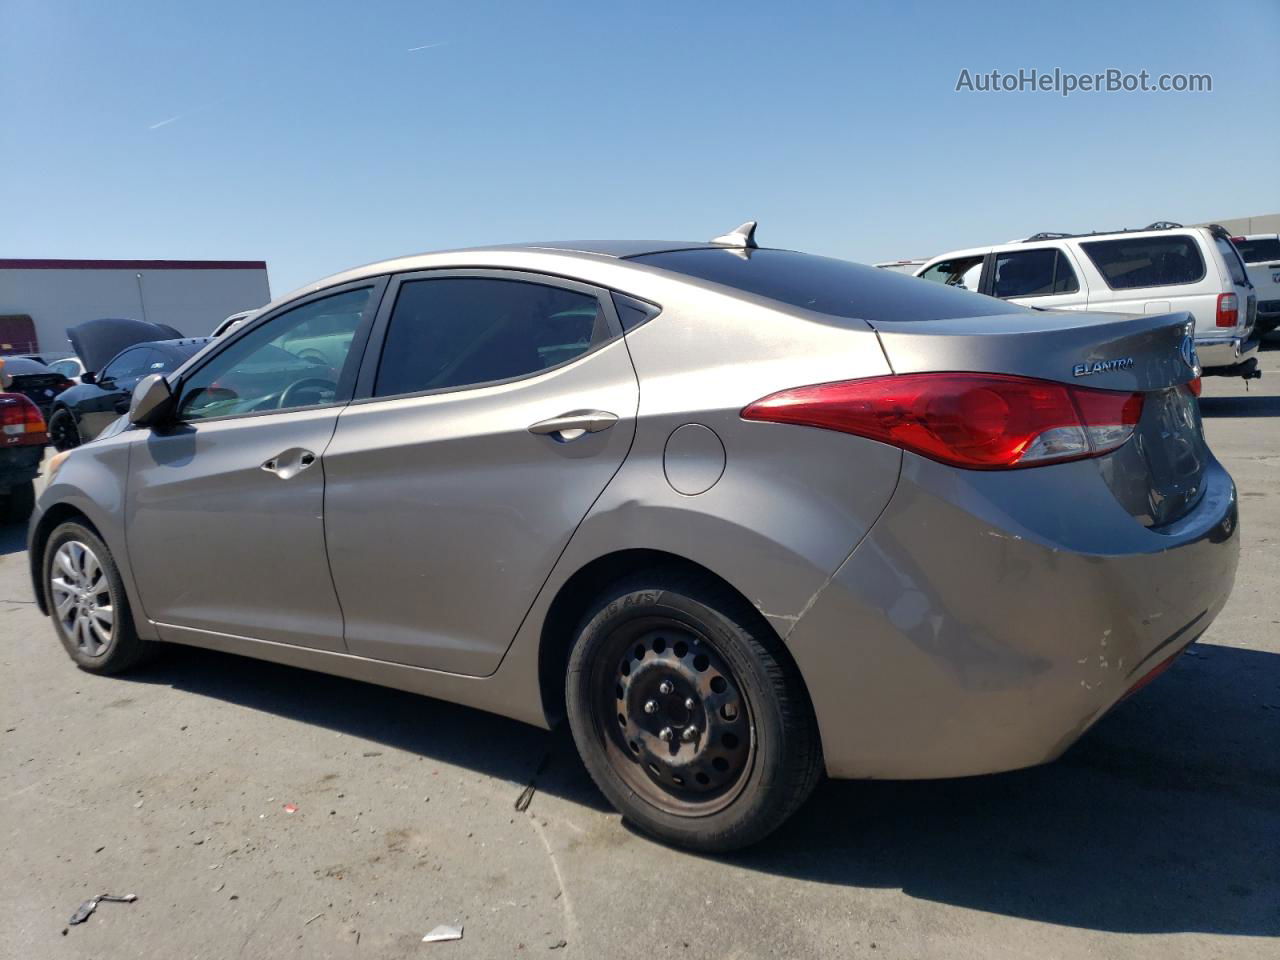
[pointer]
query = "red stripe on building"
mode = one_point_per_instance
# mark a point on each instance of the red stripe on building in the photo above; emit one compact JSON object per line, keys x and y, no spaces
{"x":132,"y":264}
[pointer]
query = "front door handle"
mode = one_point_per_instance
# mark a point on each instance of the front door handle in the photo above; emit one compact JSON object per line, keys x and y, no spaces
{"x":574,"y":424}
{"x":290,"y":463}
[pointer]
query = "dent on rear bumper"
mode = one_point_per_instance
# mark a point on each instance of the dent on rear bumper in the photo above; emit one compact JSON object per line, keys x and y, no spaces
{"x":989,"y":618}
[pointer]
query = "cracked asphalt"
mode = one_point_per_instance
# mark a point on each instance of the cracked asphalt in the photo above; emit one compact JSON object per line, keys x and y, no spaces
{"x":1158,"y":835}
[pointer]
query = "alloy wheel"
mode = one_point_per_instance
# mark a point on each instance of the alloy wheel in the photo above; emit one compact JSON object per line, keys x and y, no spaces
{"x":81,"y":597}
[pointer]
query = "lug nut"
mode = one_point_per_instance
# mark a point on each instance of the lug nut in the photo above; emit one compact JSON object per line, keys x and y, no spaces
{"x":688,"y":733}
{"x":690,"y":703}
{"x":665,"y":687}
{"x":665,"y":734}
{"x":651,"y":706}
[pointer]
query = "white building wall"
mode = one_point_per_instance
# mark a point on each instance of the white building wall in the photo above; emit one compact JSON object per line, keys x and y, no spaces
{"x":193,"y":299}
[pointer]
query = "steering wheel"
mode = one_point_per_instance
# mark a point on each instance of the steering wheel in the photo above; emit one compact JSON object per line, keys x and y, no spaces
{"x":306,"y":383}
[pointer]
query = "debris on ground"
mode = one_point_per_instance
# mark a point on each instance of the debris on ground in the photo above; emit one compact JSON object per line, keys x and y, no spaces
{"x":86,"y":909}
{"x":526,"y":795}
{"x":316,"y":917}
{"x":443,"y":932}
{"x":372,"y":753}
{"x":558,"y":945}
{"x":290,"y":808}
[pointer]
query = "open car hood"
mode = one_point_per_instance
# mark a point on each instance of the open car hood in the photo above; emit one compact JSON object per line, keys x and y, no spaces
{"x":97,"y":341}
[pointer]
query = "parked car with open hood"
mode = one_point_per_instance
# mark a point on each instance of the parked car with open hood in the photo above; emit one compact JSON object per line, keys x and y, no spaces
{"x":740,"y":514}
{"x":1157,"y":269}
{"x":81,"y":412}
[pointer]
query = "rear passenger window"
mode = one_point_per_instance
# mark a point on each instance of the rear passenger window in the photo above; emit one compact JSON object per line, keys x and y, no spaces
{"x":1235,"y":266}
{"x":1033,"y":273}
{"x":461,"y":331}
{"x":1146,"y":261}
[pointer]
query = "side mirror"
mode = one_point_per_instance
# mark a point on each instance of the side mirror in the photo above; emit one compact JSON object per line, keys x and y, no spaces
{"x":152,"y":399}
{"x":88,"y":377}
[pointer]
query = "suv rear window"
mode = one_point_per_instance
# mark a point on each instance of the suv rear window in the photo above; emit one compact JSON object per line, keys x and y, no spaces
{"x":1235,"y":266}
{"x":1146,"y":261}
{"x":1259,"y":251}
{"x":837,"y":288}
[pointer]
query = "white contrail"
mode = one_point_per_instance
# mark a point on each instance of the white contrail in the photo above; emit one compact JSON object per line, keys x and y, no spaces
{"x":164,"y":123}
{"x":427,"y":46}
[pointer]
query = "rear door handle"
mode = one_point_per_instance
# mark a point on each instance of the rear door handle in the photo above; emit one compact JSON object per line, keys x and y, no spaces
{"x":574,"y":424}
{"x":290,"y":463}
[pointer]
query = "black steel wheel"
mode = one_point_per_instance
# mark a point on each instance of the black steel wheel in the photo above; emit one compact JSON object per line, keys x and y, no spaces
{"x":688,"y":713}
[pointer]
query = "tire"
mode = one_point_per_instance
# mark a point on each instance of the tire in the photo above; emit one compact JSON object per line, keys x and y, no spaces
{"x":16,"y":507}
{"x":63,"y":432}
{"x":707,"y":740}
{"x":92,"y":648}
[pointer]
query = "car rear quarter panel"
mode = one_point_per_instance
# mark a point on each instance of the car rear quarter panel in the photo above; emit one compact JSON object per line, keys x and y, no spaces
{"x":791,"y":503}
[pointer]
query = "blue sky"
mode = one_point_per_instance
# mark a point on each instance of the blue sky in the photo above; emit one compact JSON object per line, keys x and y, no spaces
{"x":319,"y":136}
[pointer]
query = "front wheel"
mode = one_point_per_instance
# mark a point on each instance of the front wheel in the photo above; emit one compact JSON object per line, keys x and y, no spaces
{"x":87,"y":602}
{"x":63,"y":433}
{"x":689,"y":716}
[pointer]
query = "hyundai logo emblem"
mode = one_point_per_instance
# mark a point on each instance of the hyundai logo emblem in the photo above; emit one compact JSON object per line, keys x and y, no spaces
{"x":1188,"y":352}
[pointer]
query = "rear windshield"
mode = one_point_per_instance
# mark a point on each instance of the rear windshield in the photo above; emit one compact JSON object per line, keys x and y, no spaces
{"x":1259,"y":251}
{"x":837,"y":288}
{"x":1147,"y":261}
{"x":1235,"y":266}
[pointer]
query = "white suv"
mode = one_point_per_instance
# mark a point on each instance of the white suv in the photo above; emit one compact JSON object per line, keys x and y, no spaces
{"x":1261,"y":255}
{"x":1163,"y":268}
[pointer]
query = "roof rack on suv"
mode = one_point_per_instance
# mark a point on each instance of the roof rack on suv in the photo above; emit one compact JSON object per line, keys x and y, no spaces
{"x":1158,"y":225}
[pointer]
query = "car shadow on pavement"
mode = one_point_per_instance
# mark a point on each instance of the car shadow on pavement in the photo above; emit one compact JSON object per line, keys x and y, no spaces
{"x":1258,"y":405}
{"x":1164,"y":818}
{"x":13,"y":538}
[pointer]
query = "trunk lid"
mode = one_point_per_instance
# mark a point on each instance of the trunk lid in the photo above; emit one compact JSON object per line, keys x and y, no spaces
{"x":1158,"y":475}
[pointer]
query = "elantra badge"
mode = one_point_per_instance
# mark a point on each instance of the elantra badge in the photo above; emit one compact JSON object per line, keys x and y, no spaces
{"x":1101,"y":366}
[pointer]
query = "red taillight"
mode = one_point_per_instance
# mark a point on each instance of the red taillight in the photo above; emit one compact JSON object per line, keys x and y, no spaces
{"x":983,"y":421}
{"x":1195,"y":386}
{"x":20,"y":421}
{"x":1228,"y":310}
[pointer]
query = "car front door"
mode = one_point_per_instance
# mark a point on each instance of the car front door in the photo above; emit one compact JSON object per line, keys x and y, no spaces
{"x":493,"y":410}
{"x":224,"y":519}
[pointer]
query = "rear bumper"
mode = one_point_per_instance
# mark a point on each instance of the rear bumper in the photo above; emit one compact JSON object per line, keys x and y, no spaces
{"x":19,"y":465}
{"x":1224,"y":352}
{"x":988,"y":619}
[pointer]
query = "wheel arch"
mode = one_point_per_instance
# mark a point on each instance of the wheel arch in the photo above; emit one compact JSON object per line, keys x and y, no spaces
{"x":50,"y":520}
{"x":579,"y":592}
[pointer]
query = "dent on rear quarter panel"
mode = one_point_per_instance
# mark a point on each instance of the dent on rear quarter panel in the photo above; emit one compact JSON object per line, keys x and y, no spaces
{"x":792,"y":501}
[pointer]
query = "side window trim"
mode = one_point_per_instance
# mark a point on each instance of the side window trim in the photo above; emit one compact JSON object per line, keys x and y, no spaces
{"x":355,"y":359}
{"x":373,"y":352}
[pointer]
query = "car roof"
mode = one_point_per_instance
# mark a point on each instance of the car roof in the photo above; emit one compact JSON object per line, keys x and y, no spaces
{"x":1031,"y":244}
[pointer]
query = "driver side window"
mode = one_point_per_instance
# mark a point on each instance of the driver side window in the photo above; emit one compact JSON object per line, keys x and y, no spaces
{"x":294,"y":360}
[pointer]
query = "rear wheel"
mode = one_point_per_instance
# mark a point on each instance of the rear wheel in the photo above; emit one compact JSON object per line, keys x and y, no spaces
{"x":688,"y":715}
{"x":87,"y":602}
{"x":63,"y":433}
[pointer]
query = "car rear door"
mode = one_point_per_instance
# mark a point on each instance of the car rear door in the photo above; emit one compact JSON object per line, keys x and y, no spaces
{"x":494,"y":408}
{"x":224,"y":514}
